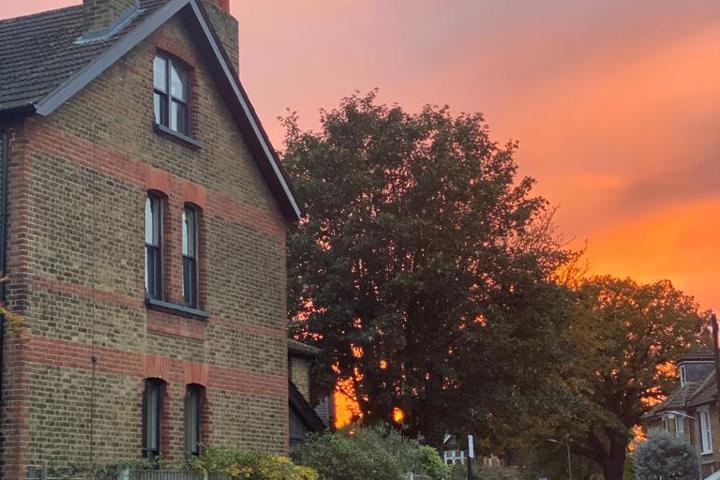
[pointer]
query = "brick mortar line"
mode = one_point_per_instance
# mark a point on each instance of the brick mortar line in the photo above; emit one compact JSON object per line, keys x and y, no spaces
{"x":71,"y":148}
{"x":123,"y":301}
{"x":76,"y":355}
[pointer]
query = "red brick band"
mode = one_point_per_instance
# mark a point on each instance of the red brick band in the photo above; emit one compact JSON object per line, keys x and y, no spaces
{"x":54,"y":141}
{"x":68,"y":354}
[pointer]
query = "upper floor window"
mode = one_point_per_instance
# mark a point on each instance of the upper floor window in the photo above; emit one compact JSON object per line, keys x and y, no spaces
{"x":193,"y":419}
{"x":153,"y":246}
{"x":171,"y":94}
{"x":683,"y":376}
{"x":152,"y":410}
{"x":190,"y":256}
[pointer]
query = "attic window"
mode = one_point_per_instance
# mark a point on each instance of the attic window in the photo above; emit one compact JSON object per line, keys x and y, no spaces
{"x":171,"y":94}
{"x":683,"y":376}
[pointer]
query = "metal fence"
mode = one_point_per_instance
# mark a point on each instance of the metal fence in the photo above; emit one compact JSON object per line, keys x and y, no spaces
{"x":46,"y":474}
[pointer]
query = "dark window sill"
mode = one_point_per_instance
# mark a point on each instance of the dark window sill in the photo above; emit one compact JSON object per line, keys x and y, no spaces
{"x":177,"y":137}
{"x":176,"y":309}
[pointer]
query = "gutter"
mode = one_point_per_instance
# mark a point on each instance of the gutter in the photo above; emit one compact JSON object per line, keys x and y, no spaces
{"x":4,"y":160}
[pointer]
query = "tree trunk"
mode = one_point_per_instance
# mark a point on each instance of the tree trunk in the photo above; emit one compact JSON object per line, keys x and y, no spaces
{"x":614,"y":465}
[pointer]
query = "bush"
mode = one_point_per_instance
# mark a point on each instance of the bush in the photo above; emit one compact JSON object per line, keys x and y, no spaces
{"x":346,"y":456}
{"x":369,"y":453}
{"x":249,"y":466}
{"x":664,"y":457}
{"x":430,"y":463}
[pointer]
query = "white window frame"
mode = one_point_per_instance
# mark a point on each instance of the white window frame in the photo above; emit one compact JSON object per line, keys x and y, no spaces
{"x":679,"y":426}
{"x":683,"y":376}
{"x":706,"y":445}
{"x":666,"y":423}
{"x":451,"y":457}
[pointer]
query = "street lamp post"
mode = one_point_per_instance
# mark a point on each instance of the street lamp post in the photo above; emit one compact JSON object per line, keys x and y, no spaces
{"x":569,"y":463}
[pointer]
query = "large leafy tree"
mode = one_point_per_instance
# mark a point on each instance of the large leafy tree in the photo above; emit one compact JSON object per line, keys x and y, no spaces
{"x":423,"y":267}
{"x":621,"y":345}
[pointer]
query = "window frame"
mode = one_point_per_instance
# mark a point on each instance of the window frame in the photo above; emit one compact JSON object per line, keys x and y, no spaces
{"x":167,"y":99}
{"x":683,"y":376}
{"x":197,"y":392}
{"x":679,"y":426}
{"x":154,"y":288}
{"x":706,"y":444}
{"x":156,"y":386}
{"x":191,"y":256}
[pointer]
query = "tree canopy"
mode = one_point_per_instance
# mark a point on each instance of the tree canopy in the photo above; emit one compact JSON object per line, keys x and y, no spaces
{"x":424,"y":268}
{"x":621,"y":345}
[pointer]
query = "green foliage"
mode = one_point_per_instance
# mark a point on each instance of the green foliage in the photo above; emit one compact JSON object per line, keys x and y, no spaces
{"x":237,"y":464}
{"x":364,"y":453}
{"x":424,"y":248}
{"x":621,"y":333}
{"x":664,"y":457}
{"x":430,"y":463}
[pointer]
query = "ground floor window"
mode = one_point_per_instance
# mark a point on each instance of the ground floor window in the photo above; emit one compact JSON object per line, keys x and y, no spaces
{"x":152,"y":412}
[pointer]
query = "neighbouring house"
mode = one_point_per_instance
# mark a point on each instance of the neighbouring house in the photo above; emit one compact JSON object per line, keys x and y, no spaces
{"x":691,"y":411}
{"x":455,"y":453}
{"x":304,"y":419}
{"x":143,"y":220}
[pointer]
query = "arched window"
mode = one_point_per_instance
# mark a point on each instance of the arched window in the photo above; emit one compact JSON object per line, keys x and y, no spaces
{"x":152,"y":412}
{"x":190,"y":242}
{"x":193,"y":419}
{"x":153,"y":246}
{"x":171,"y":94}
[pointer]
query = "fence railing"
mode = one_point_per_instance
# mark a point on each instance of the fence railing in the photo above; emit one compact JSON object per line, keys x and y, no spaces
{"x":45,"y":474}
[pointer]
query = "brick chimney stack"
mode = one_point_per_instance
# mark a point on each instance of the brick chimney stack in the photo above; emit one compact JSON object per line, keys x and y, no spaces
{"x":225,"y":26}
{"x":102,"y":15}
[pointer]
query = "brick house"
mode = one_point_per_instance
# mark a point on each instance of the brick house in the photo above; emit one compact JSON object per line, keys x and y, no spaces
{"x":143,"y":238}
{"x":691,"y":410}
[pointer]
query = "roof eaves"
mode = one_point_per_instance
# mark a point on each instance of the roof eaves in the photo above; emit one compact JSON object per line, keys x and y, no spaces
{"x":108,"y":58}
{"x":83,"y":77}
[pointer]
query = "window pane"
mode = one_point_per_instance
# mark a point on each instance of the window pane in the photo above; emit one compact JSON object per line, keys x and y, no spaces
{"x":161,"y":107}
{"x":178,"y":117}
{"x":192,"y":421}
{"x":178,"y":83}
{"x":188,"y":233}
{"x":149,"y":222}
{"x":151,"y":416}
{"x":160,"y":74}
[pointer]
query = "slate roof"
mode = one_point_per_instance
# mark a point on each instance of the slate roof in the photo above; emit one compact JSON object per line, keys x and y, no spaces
{"x":698,"y":354}
{"x":693,"y":394}
{"x":302,"y":349}
{"x":38,"y":53}
{"x":42,"y":65}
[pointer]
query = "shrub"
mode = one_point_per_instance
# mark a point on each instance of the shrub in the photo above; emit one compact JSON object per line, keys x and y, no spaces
{"x":377,"y":452}
{"x":664,"y":457}
{"x":431,"y":463}
{"x":348,"y":456}
{"x":249,"y":466}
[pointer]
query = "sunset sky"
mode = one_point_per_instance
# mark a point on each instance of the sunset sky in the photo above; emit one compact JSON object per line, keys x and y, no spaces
{"x":615,"y":103}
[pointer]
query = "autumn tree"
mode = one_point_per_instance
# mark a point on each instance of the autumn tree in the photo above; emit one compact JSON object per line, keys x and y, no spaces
{"x":621,"y":345}
{"x":423,"y":267}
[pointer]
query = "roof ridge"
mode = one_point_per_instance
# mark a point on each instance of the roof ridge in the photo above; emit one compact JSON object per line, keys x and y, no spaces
{"x":40,"y":14}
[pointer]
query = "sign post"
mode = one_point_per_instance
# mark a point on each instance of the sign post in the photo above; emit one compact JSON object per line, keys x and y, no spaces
{"x":471,"y":456}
